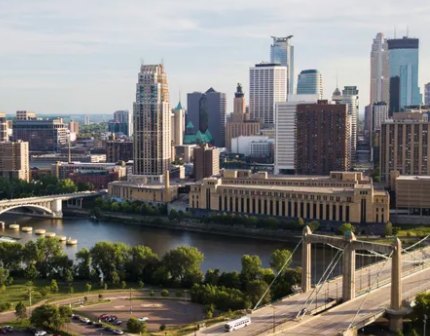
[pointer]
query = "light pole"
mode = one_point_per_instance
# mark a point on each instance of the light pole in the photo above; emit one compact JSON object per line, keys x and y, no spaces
{"x":425,"y":323}
{"x":131,"y":309}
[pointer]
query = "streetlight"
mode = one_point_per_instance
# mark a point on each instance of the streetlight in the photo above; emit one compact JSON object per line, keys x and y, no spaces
{"x":131,"y":309}
{"x":425,"y":323}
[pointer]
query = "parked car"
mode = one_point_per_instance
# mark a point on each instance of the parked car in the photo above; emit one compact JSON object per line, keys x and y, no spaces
{"x":108,"y":329}
{"x":118,"y":323}
{"x":98,"y":325}
{"x":143,"y":319}
{"x":31,"y":330}
{"x":84,"y":320}
{"x":118,"y":332}
{"x":75,"y":317}
{"x":40,"y":333}
{"x":91,"y":323}
{"x":102,"y":316}
{"x":8,"y":328}
{"x":3,"y":331}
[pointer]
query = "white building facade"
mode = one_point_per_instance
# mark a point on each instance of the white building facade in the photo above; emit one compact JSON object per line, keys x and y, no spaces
{"x":285,"y":131}
{"x":379,"y":71}
{"x":267,"y":86}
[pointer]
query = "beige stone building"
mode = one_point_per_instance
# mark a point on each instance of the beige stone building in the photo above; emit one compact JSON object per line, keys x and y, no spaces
{"x":239,"y":124}
{"x":4,"y":137}
{"x":412,"y":194}
{"x":405,"y":146}
{"x":206,"y":162}
{"x":341,"y":196}
{"x":14,"y":160}
{"x":149,"y":193}
{"x":25,"y":115}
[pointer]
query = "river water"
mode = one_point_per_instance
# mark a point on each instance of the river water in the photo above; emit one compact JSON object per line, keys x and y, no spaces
{"x":221,"y":252}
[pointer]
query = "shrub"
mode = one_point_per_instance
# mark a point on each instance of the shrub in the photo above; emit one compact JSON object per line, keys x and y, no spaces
{"x":5,"y":306}
{"x":141,"y":285}
{"x":135,"y":326}
{"x":162,"y":327}
{"x":151,"y":293}
{"x":164,"y":293}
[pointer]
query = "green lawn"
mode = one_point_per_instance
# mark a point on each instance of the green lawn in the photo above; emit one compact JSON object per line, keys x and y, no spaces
{"x":413,"y":231}
{"x":18,"y":291}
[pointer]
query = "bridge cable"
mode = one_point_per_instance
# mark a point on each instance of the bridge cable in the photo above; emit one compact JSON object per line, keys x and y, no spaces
{"x":326,"y":274}
{"x":368,"y":292}
{"x":277,"y":275}
{"x":419,"y":242}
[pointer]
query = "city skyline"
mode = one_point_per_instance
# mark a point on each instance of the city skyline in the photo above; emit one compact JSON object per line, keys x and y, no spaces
{"x":65,"y":59}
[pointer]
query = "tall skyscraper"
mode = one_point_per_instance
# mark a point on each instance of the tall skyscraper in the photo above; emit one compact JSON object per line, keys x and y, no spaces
{"x":282,"y":52}
{"x":151,"y":119}
{"x":207,"y":113}
{"x":74,"y":127}
{"x":267,"y":86}
{"x":310,"y":82}
{"x":379,"y":115}
{"x":14,"y":159}
{"x":240,"y":123}
{"x":350,"y":97}
{"x":404,"y":89}
{"x":427,"y":94}
{"x":4,"y":137}
{"x":285,"y":131}
{"x":322,"y":138}
{"x":379,"y":71}
{"x":206,"y":162}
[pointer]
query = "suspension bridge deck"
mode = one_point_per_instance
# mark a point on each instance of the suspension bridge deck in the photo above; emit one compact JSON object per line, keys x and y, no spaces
{"x":282,"y":315}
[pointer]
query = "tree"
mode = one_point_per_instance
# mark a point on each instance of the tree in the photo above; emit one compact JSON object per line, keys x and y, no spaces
{"x":4,"y":276}
{"x":83,"y":257}
{"x":267,"y":275}
{"x":300,"y":222}
{"x":88,"y":287}
{"x":108,"y":257}
{"x":256,"y":289}
{"x":230,"y":280}
{"x":421,"y":308}
{"x":388,"y":229}
{"x":71,"y":290}
{"x":164,"y":293}
{"x":142,"y":260}
{"x":162,"y":327}
{"x":251,"y":267}
{"x":20,"y":311}
{"x":68,"y":276}
{"x":100,"y":297}
{"x":135,"y":326}
{"x":209,"y":310}
{"x":123,"y":284}
{"x":53,"y":287}
{"x":280,"y":259}
{"x":141,"y":284}
{"x":314,"y":225}
{"x":48,"y":316}
{"x":212,"y":276}
{"x":182,"y":262}
{"x":173,"y":215}
{"x":346,"y":227}
{"x":30,"y":272}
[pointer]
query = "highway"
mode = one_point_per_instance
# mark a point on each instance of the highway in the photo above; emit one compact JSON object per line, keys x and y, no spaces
{"x":266,"y":318}
{"x":50,"y":197}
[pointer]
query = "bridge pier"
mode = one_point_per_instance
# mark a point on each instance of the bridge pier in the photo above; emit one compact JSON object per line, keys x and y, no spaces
{"x":348,"y":283}
{"x":57,"y":208}
{"x":306,"y":260}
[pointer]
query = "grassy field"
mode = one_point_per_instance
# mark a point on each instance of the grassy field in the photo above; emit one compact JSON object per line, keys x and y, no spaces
{"x":19,"y":290}
{"x":413,"y":231}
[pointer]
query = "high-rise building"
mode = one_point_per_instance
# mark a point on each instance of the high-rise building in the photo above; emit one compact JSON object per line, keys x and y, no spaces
{"x":310,"y":82}
{"x":282,"y":52}
{"x":122,"y":123}
{"x":4,"y":136}
{"x":178,"y":125}
{"x":207,"y":113}
{"x":379,"y":115}
{"x":404,"y":89}
{"x":239,"y":124}
{"x":267,"y":86}
{"x":25,"y":115}
{"x":151,"y":119}
{"x":74,"y":127}
{"x":427,"y":94}
{"x":14,"y":159}
{"x":405,"y":145}
{"x":322,"y":138}
{"x":46,"y":135}
{"x":285,"y":131}
{"x":86,"y":120}
{"x":119,"y":150}
{"x":367,"y":122}
{"x":379,"y":71}
{"x":350,"y":97}
{"x":206,"y":162}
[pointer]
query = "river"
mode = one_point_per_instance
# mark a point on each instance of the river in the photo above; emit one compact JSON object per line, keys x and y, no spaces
{"x":221,"y":252}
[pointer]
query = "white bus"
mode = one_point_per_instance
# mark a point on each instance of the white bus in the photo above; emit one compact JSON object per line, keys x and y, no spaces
{"x":237,"y":324}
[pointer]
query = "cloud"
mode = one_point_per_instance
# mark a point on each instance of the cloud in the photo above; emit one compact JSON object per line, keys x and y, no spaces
{"x":57,"y":44}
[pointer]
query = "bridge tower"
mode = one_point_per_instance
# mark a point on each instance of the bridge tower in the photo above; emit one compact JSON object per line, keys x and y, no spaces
{"x":348,"y":283}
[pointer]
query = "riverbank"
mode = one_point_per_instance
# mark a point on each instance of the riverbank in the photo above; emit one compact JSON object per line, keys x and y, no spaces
{"x":191,"y":225}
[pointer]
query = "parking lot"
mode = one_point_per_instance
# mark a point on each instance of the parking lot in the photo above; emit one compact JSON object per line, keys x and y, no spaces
{"x":158,"y":312}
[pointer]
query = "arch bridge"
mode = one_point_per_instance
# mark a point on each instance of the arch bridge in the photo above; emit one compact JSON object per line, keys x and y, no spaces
{"x":50,"y":206}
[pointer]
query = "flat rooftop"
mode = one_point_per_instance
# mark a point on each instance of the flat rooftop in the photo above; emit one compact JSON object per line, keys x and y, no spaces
{"x":414,"y":178}
{"x":311,"y":190}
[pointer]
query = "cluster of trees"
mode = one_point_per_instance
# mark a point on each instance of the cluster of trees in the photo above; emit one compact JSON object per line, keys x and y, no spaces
{"x":420,"y":312}
{"x":135,"y":207}
{"x":234,"y":290}
{"x":117,"y":263}
{"x":50,"y":316}
{"x":92,"y":130}
{"x":46,"y":185}
{"x":136,"y":326}
{"x":390,"y":230}
{"x":260,"y":222}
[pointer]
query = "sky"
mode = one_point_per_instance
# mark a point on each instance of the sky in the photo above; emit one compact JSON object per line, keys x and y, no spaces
{"x":83,"y":56}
